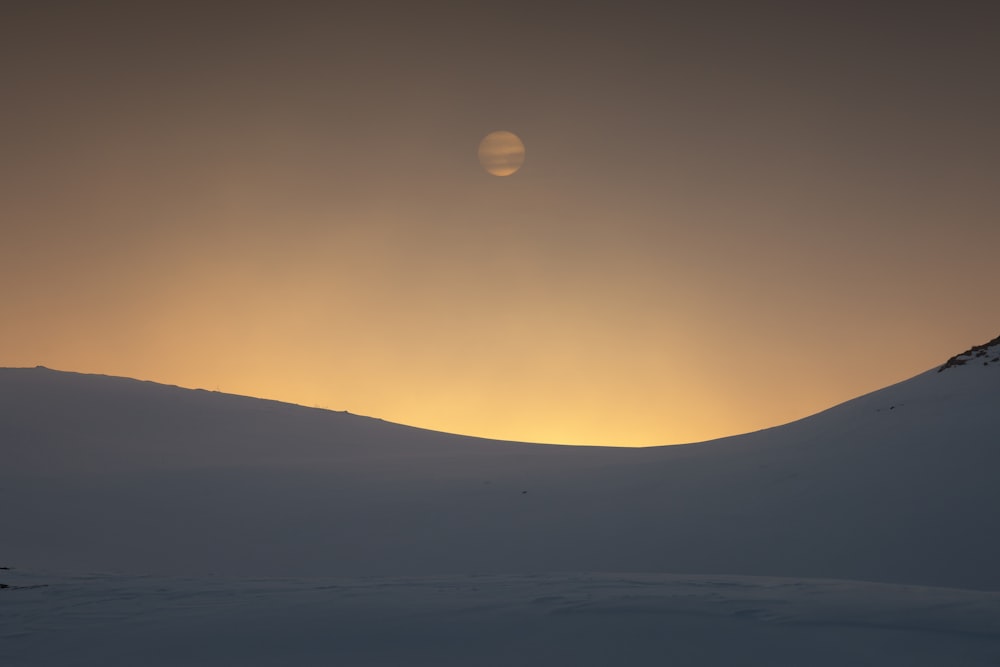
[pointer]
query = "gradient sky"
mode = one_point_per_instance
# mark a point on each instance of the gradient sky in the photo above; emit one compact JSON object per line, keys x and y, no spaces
{"x":731,"y":214}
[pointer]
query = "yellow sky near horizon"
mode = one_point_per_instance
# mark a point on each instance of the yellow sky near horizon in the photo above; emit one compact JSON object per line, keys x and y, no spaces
{"x":723,"y":223}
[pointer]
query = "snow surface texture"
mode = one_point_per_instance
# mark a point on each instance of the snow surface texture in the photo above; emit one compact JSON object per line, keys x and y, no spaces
{"x":543,"y":620}
{"x":155,"y":483}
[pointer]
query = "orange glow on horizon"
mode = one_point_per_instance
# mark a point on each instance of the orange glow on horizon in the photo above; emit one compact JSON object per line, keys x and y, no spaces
{"x":728,"y":223}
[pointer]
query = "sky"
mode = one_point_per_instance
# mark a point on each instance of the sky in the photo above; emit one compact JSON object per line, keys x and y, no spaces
{"x":730,"y":215}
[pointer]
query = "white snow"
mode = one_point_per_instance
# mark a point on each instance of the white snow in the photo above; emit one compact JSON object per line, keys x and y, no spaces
{"x":234,"y":531}
{"x":567,"y":619}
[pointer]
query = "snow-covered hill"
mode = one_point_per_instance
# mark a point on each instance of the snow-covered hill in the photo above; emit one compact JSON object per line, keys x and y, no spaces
{"x":111,"y":474}
{"x":477,"y":541}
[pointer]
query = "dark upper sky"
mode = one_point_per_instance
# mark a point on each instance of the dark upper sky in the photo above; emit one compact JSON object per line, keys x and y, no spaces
{"x":730,"y":214}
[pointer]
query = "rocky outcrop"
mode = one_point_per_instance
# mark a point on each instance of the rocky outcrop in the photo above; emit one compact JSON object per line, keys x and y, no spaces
{"x":984,"y":353}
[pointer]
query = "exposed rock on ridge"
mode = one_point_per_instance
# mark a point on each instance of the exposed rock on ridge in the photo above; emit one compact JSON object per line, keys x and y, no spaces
{"x":976,"y":352}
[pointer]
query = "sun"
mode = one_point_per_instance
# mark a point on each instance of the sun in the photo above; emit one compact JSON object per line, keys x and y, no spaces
{"x":501,"y":153}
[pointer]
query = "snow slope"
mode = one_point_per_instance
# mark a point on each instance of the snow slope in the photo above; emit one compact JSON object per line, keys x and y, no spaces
{"x":111,"y":474}
{"x":115,"y":474}
{"x":155,"y":525}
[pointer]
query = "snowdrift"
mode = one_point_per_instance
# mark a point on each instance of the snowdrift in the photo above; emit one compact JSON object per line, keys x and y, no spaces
{"x":112,"y":474}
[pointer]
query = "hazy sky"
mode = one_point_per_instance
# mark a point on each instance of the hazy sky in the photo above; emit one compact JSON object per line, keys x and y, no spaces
{"x":731,"y":214}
